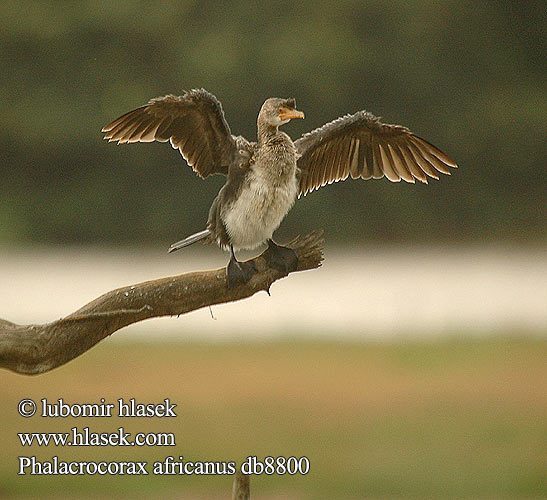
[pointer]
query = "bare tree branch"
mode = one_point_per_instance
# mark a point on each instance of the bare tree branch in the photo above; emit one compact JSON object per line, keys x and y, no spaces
{"x":34,"y":349}
{"x":242,"y":488}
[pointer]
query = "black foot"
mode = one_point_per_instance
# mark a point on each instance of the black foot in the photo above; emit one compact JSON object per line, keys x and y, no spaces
{"x":281,"y":258}
{"x":239,"y":273}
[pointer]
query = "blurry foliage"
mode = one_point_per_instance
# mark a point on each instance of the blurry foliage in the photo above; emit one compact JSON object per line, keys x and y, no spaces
{"x":469,"y":77}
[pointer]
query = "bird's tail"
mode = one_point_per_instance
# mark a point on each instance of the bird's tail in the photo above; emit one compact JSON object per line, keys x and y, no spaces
{"x":189,"y":240}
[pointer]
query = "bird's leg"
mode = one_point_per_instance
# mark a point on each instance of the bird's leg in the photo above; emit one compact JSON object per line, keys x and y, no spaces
{"x":237,"y":272}
{"x":283,"y":259}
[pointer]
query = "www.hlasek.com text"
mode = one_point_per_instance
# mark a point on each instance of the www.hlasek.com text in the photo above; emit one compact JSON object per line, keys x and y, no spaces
{"x":86,"y":437}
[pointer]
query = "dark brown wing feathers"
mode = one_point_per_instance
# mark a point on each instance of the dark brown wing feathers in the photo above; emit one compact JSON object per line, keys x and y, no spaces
{"x":194,"y":123}
{"x":359,"y":145}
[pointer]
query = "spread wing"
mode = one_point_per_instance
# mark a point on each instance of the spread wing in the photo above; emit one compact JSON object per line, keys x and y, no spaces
{"x":359,"y":145}
{"x":194,"y":123}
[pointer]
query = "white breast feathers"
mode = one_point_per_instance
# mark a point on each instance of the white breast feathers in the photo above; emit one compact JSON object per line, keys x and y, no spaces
{"x":257,"y":212}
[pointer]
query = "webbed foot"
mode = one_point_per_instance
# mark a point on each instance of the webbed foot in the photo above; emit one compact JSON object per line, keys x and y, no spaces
{"x":239,"y":273}
{"x":283,"y":259}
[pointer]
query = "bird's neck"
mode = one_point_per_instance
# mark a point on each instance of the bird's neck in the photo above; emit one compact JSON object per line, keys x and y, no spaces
{"x":266,"y":132}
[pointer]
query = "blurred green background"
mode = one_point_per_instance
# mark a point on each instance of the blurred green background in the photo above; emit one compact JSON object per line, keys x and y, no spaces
{"x":425,"y":420}
{"x":468,"y":76}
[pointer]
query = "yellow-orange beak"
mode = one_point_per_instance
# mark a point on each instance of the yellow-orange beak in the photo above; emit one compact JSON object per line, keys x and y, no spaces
{"x":289,"y":114}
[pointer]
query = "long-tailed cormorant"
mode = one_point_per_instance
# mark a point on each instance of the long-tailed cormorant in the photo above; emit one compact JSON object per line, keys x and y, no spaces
{"x":265,"y":177}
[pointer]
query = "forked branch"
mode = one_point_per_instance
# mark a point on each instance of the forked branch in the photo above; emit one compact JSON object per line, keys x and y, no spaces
{"x":34,"y":349}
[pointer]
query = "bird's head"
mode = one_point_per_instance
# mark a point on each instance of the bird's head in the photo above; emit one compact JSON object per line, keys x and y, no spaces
{"x":276,"y":111}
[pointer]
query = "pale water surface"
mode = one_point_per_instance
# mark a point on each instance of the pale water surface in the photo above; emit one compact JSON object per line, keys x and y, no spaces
{"x":369,"y":292}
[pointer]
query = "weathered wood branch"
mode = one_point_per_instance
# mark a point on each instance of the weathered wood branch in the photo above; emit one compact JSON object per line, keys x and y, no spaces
{"x":34,"y":349}
{"x":242,"y":487}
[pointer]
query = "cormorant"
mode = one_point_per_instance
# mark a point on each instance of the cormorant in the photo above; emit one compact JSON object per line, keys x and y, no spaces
{"x":265,"y":177}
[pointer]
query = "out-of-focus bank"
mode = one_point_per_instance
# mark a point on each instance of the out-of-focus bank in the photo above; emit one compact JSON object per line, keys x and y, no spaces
{"x":368,"y":292}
